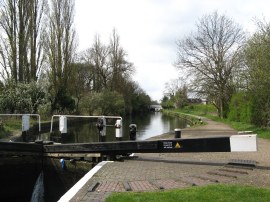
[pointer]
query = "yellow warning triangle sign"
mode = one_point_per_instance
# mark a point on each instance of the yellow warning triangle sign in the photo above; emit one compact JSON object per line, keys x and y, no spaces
{"x":177,"y":146}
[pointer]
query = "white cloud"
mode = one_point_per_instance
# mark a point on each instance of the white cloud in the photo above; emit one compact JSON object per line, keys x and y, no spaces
{"x":148,"y":29}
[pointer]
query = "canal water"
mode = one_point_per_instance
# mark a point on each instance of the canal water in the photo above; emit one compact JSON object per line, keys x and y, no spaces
{"x":85,"y":130}
{"x":51,"y":181}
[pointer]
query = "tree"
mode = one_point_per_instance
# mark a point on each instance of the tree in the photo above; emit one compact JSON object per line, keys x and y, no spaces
{"x":21,"y":40}
{"x":211,"y":56}
{"x":140,"y":101}
{"x":104,"y":103}
{"x":167,"y":103}
{"x":60,"y":47}
{"x":240,"y":107}
{"x":96,"y":58}
{"x":175,"y":93}
{"x":181,"y":98}
{"x":258,"y":62}
{"x":80,"y":80}
{"x":121,"y":68}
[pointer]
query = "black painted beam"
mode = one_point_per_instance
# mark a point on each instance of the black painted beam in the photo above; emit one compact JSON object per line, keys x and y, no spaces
{"x":21,"y":147}
{"x":217,"y":144}
{"x":213,"y":144}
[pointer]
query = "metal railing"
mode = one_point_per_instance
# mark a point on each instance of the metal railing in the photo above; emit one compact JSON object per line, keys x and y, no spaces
{"x":37,"y":115}
{"x":79,"y":116}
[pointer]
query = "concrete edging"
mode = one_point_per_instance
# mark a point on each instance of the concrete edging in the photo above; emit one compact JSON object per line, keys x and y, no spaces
{"x":73,"y":190}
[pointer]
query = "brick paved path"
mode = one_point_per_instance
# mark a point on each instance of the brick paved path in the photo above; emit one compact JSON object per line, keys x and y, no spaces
{"x":154,"y":172}
{"x":139,"y":175}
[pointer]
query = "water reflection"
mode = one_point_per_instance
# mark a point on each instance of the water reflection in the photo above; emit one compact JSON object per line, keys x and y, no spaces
{"x":159,"y":124}
{"x":148,"y":125}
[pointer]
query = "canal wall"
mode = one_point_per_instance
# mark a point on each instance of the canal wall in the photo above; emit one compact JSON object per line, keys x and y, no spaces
{"x":18,"y":174}
{"x":57,"y":180}
{"x":190,"y":119}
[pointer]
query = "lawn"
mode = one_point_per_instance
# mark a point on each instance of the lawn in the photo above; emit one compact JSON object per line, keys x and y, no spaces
{"x":211,"y":193}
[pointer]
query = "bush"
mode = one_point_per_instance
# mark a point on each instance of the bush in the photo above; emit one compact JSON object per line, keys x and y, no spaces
{"x":21,"y":98}
{"x":240,"y":108}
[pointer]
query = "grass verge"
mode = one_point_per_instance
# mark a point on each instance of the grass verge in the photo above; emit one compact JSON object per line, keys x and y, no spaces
{"x":209,"y":111}
{"x":10,"y":126}
{"x":211,"y":193}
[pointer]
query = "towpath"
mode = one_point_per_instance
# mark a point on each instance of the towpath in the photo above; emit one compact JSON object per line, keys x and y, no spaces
{"x":161,"y":171}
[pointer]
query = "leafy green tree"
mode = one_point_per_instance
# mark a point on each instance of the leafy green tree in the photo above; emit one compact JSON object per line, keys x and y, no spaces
{"x":167,"y":103}
{"x":258,"y":61}
{"x":240,"y":108}
{"x":180,"y":98}
{"x":104,"y":103}
{"x":62,"y":101}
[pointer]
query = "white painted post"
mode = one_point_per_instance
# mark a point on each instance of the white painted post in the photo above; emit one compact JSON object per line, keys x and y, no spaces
{"x":242,"y":143}
{"x":118,"y":130}
{"x":25,"y":123}
{"x":63,"y":124}
{"x":25,"y":126}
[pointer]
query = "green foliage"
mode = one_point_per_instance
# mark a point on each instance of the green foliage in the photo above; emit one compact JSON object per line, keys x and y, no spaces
{"x":21,"y":98}
{"x":140,"y":102}
{"x":62,"y":101}
{"x":211,"y":114}
{"x":240,"y":108}
{"x":176,"y":97}
{"x":258,"y":61}
{"x":104,"y":103}
{"x":200,"y":109}
{"x":44,"y":110}
{"x":9,"y":126}
{"x":260,"y":110}
{"x":167,"y":103}
{"x":180,"y":99}
{"x":224,"y":193}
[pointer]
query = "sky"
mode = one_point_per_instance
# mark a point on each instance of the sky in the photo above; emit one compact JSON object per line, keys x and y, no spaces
{"x":149,"y":29}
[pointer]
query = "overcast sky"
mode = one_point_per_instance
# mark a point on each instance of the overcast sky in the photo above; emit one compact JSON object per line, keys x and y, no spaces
{"x":148,"y":30}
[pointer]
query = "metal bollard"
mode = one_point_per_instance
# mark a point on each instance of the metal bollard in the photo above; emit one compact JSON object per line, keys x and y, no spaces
{"x":101,"y":126}
{"x":177,"y":133}
{"x":132,"y":131}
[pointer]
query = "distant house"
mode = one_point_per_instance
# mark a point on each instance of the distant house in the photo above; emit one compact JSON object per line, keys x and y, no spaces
{"x":204,"y":101}
{"x":197,"y":101}
{"x":194,"y":101}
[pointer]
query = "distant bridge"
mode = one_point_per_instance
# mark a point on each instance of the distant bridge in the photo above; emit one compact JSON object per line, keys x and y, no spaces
{"x":155,"y":108}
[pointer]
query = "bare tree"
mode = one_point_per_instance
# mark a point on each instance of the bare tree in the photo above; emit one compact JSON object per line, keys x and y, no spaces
{"x":59,"y":49}
{"x":20,"y":40}
{"x":36,"y":28}
{"x":173,"y":86}
{"x":210,"y":56}
{"x":98,"y":58}
{"x":121,"y":67}
{"x":60,"y":43}
{"x":9,"y":38}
